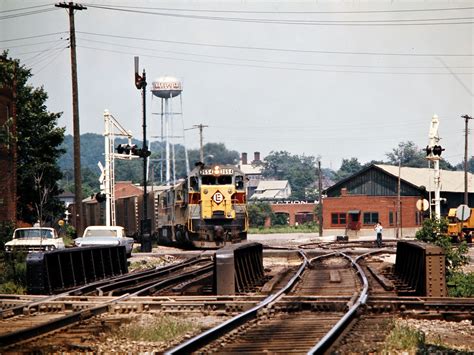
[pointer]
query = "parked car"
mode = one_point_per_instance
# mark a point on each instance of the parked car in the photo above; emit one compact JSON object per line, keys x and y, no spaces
{"x":105,"y":235}
{"x":34,"y":239}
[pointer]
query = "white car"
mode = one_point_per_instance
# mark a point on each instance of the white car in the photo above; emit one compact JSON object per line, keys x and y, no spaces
{"x":105,"y":235}
{"x":34,"y":239}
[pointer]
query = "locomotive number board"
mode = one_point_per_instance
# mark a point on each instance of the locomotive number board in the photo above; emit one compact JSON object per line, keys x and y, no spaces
{"x":217,"y":171}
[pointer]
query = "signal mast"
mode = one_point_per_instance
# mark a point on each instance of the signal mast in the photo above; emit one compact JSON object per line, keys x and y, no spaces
{"x":433,"y":153}
{"x":107,"y":177}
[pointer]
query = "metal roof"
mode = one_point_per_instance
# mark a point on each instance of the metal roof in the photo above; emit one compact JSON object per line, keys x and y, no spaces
{"x":249,"y":169}
{"x":264,"y":185}
{"x":451,"y":181}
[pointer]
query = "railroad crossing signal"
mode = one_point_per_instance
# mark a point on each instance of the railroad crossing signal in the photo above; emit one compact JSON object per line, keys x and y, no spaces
{"x":434,"y":152}
{"x":132,"y":149}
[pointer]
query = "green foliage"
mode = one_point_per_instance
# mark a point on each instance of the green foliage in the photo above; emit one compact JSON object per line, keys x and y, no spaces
{"x":461,"y":285}
{"x":6,"y":233}
{"x":13,"y":274}
{"x":298,"y":170}
{"x":302,"y":228}
{"x":412,"y":156}
{"x":434,"y":231}
{"x":348,"y":168}
{"x":279,"y":219}
{"x":404,"y":338}
{"x":38,"y":149}
{"x":92,"y":151}
{"x":258,"y":213}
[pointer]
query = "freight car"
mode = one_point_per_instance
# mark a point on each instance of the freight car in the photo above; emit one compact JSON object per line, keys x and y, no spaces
{"x":208,"y":209}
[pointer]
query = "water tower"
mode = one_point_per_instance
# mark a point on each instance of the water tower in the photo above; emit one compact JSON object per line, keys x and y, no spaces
{"x":169,"y":89}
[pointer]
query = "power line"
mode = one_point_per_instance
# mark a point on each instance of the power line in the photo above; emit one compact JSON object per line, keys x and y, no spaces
{"x":22,"y":14}
{"x":26,"y":8}
{"x":290,"y":50}
{"x":397,"y":22}
{"x":30,"y":37}
{"x":51,"y":61}
{"x":272,"y":62}
{"x":294,"y":12}
{"x":274,"y":67}
{"x":32,"y":44}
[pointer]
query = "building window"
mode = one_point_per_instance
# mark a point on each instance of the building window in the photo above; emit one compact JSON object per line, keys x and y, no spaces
{"x":418,"y":218}
{"x":338,"y":219}
{"x":371,"y":217}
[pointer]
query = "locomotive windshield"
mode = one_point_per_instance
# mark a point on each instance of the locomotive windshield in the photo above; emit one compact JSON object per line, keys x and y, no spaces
{"x":216,"y":180}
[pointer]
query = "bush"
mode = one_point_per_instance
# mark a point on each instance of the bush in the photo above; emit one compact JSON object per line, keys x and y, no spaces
{"x":258,"y":213}
{"x":434,"y":231}
{"x":461,"y":285}
{"x":13,"y":274}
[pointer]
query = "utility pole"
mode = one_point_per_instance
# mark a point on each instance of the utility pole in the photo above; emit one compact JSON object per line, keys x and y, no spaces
{"x":75,"y":115}
{"x":201,"y":148}
{"x":320,"y":204}
{"x":466,"y":132}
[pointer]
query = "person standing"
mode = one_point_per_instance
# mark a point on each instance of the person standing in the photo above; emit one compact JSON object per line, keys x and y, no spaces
{"x":378,"y":230}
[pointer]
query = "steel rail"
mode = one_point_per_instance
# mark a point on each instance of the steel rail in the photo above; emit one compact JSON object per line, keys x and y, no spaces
{"x":40,"y":329}
{"x":205,"y":338}
{"x":156,"y":286}
{"x":81,"y":290}
{"x":136,"y":279}
{"x":330,"y":336}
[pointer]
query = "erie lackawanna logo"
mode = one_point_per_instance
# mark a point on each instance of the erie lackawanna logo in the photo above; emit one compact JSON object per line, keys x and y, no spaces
{"x":217,"y":197}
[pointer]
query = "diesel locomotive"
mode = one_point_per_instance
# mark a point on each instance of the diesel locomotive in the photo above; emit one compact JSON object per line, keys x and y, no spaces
{"x":207,"y":209}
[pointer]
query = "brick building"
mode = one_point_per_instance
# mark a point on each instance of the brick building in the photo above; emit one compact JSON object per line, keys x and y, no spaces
{"x":297,"y":212}
{"x":355,"y":204}
{"x":8,"y":194}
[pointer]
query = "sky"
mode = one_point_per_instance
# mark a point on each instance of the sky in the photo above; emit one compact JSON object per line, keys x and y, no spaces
{"x":330,"y":79}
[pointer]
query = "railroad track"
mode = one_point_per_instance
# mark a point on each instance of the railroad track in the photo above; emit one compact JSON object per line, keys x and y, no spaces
{"x":20,"y":323}
{"x":303,"y":318}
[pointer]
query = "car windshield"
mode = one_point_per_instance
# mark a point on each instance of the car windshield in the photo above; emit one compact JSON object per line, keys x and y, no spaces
{"x":33,"y":233}
{"x":100,"y":233}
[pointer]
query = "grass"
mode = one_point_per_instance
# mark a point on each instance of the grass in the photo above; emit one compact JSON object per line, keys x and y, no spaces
{"x":303,"y":228}
{"x":162,"y":329}
{"x":404,"y":338}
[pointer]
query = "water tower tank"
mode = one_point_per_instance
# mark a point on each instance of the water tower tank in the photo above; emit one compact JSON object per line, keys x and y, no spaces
{"x":166,"y":87}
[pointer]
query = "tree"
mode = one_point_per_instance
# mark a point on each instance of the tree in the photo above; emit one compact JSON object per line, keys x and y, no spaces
{"x":412,"y":156}
{"x":300,"y":171}
{"x":348,"y":168}
{"x":258,"y":213}
{"x":37,"y":169}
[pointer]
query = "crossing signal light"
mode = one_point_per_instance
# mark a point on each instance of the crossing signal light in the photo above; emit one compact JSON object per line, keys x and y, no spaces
{"x":100,"y":197}
{"x":437,"y":150}
{"x":125,"y":148}
{"x":133,"y":150}
{"x":428,"y":150}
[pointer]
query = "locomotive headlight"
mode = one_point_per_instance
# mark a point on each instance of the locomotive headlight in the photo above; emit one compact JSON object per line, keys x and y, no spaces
{"x":205,"y":191}
{"x":229,"y":191}
{"x":229,"y":214}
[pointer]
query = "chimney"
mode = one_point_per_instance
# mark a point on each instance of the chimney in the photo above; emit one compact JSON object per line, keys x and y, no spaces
{"x":244,"y":158}
{"x":344,"y":191}
{"x":256,"y":156}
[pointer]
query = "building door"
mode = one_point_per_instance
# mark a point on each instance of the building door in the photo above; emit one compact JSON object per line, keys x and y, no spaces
{"x":353,"y":222}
